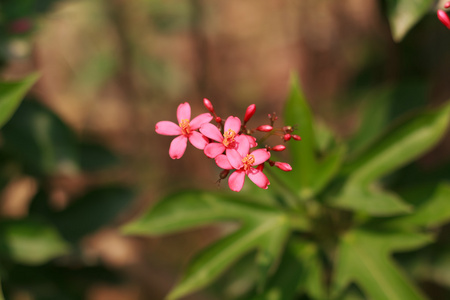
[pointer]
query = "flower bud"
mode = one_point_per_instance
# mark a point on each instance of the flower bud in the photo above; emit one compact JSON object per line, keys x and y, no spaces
{"x":443,"y":17}
{"x":447,"y":4}
{"x":283,"y":166}
{"x":218,"y":120}
{"x":264,"y":128}
{"x":260,"y":167}
{"x":287,"y":137}
{"x":208,"y":105}
{"x":278,"y":148}
{"x":249,"y":112}
{"x":296,"y":137}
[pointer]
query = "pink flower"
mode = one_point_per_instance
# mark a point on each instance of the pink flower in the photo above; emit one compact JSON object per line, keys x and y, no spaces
{"x":243,"y":162}
{"x":227,"y":142}
{"x":185,"y":130}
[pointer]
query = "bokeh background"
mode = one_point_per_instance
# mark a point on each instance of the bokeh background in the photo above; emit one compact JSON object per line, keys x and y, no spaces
{"x":111,"y":69}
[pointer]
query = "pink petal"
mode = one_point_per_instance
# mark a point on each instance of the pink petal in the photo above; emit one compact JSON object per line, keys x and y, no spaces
{"x":243,"y":145}
{"x":234,"y":158}
{"x":261,"y":155}
{"x":198,"y":140}
{"x":233,"y":123}
{"x":251,"y":141}
{"x":236,"y":181}
{"x":200,"y":120}
{"x":167,"y":128}
{"x":183,"y":112}
{"x":222,"y":162}
{"x":214,"y":149}
{"x":258,"y":178}
{"x":177,"y":147}
{"x":211,"y":131}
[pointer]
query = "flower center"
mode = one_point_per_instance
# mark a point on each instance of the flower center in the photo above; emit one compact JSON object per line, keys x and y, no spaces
{"x":228,"y":138}
{"x":185,"y":127}
{"x":248,"y":161}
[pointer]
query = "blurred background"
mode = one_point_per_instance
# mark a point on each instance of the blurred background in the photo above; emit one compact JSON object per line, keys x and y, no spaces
{"x":110,"y":69}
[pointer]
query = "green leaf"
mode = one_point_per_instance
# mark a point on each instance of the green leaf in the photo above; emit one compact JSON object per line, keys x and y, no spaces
{"x":94,"y":157}
{"x":175,"y":212}
{"x":41,"y":140}
{"x":371,"y":200}
{"x":364,"y":258}
{"x":328,"y":167}
{"x":431,"y":206}
{"x":262,"y":228}
{"x":297,"y":113}
{"x":11,"y":94}
{"x":404,"y":14}
{"x":385,"y":104}
{"x":299,"y":272}
{"x":399,"y":145}
{"x":215,"y":259}
{"x":90,"y":212}
{"x":30,"y":242}
{"x":1,"y":292}
{"x":324,"y":137}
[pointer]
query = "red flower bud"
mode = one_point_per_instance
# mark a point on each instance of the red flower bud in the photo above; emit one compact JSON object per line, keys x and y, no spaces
{"x":249,"y":112}
{"x":208,"y":105}
{"x":283,"y":166}
{"x":447,"y":4}
{"x":443,"y":17}
{"x":260,"y":167}
{"x":287,"y":137}
{"x":278,"y":148}
{"x":296,"y":137}
{"x":264,"y":128}
{"x":218,"y":119}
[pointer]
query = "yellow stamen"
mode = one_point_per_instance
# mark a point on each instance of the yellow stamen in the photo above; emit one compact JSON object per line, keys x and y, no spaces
{"x":228,"y":137}
{"x":248,"y":161}
{"x":185,"y":126}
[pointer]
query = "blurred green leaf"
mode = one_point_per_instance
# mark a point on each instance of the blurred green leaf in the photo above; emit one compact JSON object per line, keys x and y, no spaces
{"x":431,"y":206}
{"x":399,"y":145}
{"x":188,"y":209}
{"x":404,"y":14}
{"x":300,"y":271}
{"x":371,"y":200}
{"x":432,"y":265}
{"x":297,"y":113}
{"x":383,"y":105}
{"x":262,"y":228}
{"x":327,"y":168}
{"x":30,"y":242}
{"x":90,"y":212}
{"x":364,"y":259}
{"x":11,"y":94}
{"x":41,"y":140}
{"x":1,"y":292}
{"x":69,"y":280}
{"x":94,"y":157}
{"x":324,"y":136}
{"x":211,"y":262}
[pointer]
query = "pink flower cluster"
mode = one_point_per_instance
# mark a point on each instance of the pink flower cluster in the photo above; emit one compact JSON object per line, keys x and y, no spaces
{"x":230,"y":143}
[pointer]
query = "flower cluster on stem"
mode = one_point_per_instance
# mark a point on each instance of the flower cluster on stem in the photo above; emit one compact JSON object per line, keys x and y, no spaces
{"x":230,"y":143}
